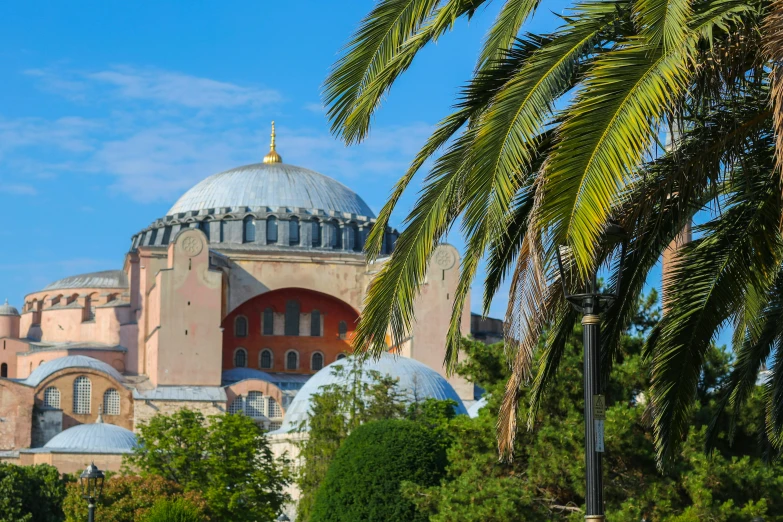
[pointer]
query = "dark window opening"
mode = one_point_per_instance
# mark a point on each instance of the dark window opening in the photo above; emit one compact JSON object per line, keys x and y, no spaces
{"x":269,"y":322}
{"x":293,"y":232}
{"x":271,"y":230}
{"x":292,"y":317}
{"x":315,"y":323}
{"x":240,"y":326}
{"x":249,"y":232}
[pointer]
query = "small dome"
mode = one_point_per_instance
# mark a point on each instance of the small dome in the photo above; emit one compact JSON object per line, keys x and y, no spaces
{"x":93,"y":438}
{"x":70,"y":361}
{"x":272,"y":185}
{"x":473,"y":411}
{"x":415,"y":380}
{"x":7,"y":309}
{"x":241,"y":374}
{"x":105,"y":279}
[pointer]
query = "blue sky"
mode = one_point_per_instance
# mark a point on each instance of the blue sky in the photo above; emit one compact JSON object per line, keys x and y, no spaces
{"x":110,"y":110}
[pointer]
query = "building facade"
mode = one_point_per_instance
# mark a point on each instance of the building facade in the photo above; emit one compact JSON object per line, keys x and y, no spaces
{"x":251,"y":283}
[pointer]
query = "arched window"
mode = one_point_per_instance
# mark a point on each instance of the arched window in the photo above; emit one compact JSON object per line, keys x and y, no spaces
{"x":82,"y":395}
{"x":3,"y":370}
{"x":271,"y":230}
{"x":223,"y":225}
{"x":293,"y":231}
{"x":292,"y":360}
{"x":254,"y":404}
{"x":315,"y":323}
{"x":292,"y":317}
{"x":248,"y":230}
{"x":269,"y":322}
{"x":316,"y":233}
{"x":342,"y":329}
{"x":340,"y":356}
{"x":153,"y":236}
{"x":204,"y":227}
{"x":240,"y":358}
{"x":52,"y":397}
{"x":166,"y":236}
{"x":354,"y":238}
{"x":274,"y":410}
{"x":265,"y":361}
{"x":337,"y":235}
{"x":237,"y":405}
{"x":317,"y":361}
{"x":111,"y":402}
{"x":240,"y":326}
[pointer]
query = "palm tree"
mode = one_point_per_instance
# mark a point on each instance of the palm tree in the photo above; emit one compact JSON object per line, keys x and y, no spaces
{"x":557,"y":134}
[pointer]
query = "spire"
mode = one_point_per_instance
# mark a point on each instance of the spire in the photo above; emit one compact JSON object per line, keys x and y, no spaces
{"x":273,"y":156}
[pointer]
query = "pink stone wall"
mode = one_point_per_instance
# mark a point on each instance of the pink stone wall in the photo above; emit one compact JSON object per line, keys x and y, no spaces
{"x":9,"y":348}
{"x":9,"y":326}
{"x":16,"y":411}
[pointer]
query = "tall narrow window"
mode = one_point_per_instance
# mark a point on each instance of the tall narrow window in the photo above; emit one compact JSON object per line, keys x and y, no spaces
{"x":342,"y":329}
{"x":3,"y":370}
{"x":317,"y":362}
{"x":254,"y":405}
{"x":315,"y":323}
{"x":111,"y":402}
{"x":82,"y":395}
{"x":292,"y":317}
{"x":316,"y":233}
{"x":52,"y":397}
{"x":293,"y":231}
{"x":249,"y":230}
{"x":271,"y":230}
{"x":292,"y":360}
{"x":266,"y":360}
{"x":356,"y":238}
{"x":154,"y":236}
{"x":337,"y":236}
{"x":204,"y":227}
{"x":274,"y":411}
{"x":240,"y":358}
{"x":166,"y":235}
{"x":240,"y":326}
{"x":223,"y":225}
{"x":269,"y":322}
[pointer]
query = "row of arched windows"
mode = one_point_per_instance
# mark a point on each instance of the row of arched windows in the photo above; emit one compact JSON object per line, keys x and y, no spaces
{"x":294,"y":236}
{"x":290,"y":323}
{"x":256,"y":406}
{"x":82,"y":398}
{"x":266,"y":359}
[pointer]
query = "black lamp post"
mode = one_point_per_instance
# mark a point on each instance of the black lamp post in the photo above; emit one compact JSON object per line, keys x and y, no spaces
{"x":591,"y":303}
{"x":283,"y":518}
{"x":92,"y":484}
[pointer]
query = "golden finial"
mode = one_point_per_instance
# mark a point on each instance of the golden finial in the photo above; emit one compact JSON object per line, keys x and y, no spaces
{"x":273,"y":156}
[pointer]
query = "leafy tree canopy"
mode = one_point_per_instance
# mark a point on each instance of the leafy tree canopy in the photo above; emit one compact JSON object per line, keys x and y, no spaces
{"x":31,"y":493}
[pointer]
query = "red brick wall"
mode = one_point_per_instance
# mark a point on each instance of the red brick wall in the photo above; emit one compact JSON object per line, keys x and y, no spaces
{"x":329,"y":343}
{"x":16,"y":411}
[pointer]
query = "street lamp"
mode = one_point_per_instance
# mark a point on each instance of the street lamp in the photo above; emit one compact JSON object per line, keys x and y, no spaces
{"x":591,"y":303}
{"x":283,"y":518}
{"x":92,"y":484}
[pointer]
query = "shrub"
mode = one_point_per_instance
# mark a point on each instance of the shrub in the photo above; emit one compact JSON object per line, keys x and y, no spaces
{"x":31,"y":493}
{"x":179,"y":510}
{"x":363,"y":482}
{"x":128,"y":498}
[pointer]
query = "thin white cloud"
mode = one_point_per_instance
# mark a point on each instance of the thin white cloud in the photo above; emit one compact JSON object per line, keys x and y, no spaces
{"x":18,"y":189}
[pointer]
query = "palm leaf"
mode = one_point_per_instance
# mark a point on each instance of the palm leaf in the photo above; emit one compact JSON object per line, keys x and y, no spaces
{"x":505,"y":29}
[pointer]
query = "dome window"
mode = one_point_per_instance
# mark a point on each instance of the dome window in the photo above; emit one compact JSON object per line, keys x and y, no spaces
{"x":316,"y":231}
{"x":354,"y":239}
{"x":204,"y":227}
{"x":274,"y":411}
{"x":82,"y":395}
{"x":293,"y":232}
{"x":111,"y":402}
{"x":248,"y":230}
{"x":292,"y":317}
{"x":315,"y":323}
{"x":271,"y":230}
{"x":51,"y":397}
{"x":240,"y":326}
{"x":292,"y":360}
{"x":269,"y":322}
{"x":265,"y":361}
{"x":317,"y":361}
{"x":240,"y":358}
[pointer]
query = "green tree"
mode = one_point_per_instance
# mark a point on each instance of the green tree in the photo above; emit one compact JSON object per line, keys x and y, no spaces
{"x":179,"y":510}
{"x":557,"y":134}
{"x":226,"y":458}
{"x":128,"y":498}
{"x":31,"y":493}
{"x":363,"y":482}
{"x":356,"y":396}
{"x":545,"y":481}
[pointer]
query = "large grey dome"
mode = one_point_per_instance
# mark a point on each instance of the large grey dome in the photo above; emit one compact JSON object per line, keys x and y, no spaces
{"x":271,"y":185}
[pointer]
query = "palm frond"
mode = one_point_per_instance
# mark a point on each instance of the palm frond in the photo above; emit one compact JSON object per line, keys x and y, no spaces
{"x":664,"y":22}
{"x":505,"y":29}
{"x":773,"y":47}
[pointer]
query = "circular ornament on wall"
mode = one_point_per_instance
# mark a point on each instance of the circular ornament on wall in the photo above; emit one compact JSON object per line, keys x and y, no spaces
{"x":192,"y":246}
{"x":445,"y":258}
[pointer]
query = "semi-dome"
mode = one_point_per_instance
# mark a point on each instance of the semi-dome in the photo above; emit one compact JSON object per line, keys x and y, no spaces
{"x":93,"y":438}
{"x":416,"y":381}
{"x":103,"y":279}
{"x":235,"y":375}
{"x":7,"y":309}
{"x":71,"y":361}
{"x":272,"y":185}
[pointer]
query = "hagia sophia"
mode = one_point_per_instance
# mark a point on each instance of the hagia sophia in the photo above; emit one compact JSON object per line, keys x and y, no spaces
{"x":236,"y":301}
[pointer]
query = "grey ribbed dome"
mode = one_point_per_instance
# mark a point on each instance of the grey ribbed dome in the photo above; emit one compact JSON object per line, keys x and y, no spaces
{"x":271,"y":185}
{"x":93,"y":438}
{"x":104,"y":279}
{"x":7,"y":309}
